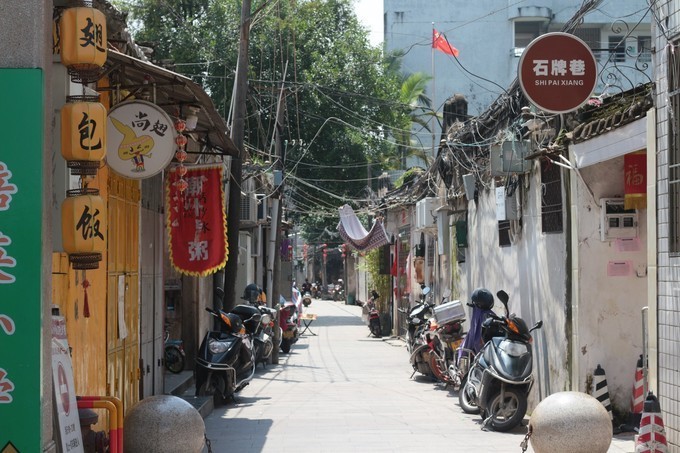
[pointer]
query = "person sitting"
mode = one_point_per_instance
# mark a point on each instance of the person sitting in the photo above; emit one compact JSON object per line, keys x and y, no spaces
{"x":306,"y":287}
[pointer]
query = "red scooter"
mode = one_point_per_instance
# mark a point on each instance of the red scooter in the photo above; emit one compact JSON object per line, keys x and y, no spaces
{"x":289,"y":323}
{"x":374,"y":316}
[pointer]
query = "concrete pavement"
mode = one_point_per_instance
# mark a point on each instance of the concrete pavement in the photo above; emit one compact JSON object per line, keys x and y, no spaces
{"x":343,"y":391}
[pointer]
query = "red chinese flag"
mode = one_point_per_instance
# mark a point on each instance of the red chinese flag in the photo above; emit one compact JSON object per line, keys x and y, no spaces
{"x":197,"y":223}
{"x":440,"y":42}
{"x":635,"y":180}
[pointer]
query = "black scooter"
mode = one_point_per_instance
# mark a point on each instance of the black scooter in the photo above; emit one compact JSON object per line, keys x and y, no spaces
{"x":417,"y":318}
{"x":500,"y":377}
{"x":225,"y":362}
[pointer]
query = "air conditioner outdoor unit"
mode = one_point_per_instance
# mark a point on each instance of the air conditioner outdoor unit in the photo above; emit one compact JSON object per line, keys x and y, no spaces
{"x":615,"y":221}
{"x":248,"y":209}
{"x":262,"y":206}
{"x":508,"y":157}
{"x":426,"y":217}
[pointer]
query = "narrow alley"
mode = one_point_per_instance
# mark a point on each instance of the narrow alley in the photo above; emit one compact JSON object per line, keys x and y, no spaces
{"x":340,"y":390}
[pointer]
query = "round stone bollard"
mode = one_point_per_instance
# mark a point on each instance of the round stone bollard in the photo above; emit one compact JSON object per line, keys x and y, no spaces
{"x":570,"y":421}
{"x":163,"y":424}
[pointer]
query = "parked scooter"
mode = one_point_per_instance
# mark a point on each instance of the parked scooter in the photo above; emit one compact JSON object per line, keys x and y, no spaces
{"x":374,"y":315}
{"x":339,"y":290}
{"x":263,"y":335}
{"x":289,"y":322}
{"x":446,"y":338}
{"x":307,"y":299}
{"x":416,"y":318}
{"x":501,"y":376}
{"x":451,"y":357}
{"x":316,"y":290}
{"x":174,"y":354}
{"x":225,"y":362}
{"x":420,"y":333}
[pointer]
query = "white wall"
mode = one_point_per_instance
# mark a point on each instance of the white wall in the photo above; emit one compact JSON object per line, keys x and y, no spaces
{"x":532,"y":272}
{"x":609,"y":307}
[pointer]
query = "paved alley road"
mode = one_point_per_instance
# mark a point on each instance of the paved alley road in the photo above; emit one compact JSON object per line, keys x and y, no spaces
{"x":343,"y":391}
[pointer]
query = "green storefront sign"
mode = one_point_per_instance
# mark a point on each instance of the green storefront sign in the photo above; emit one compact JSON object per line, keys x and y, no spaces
{"x":21,"y":192}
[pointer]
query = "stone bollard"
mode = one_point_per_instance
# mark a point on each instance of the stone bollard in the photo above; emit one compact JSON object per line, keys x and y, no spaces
{"x":164,"y":424}
{"x":570,"y":421}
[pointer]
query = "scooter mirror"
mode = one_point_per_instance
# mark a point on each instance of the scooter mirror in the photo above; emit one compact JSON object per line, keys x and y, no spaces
{"x":538,"y":325}
{"x":503,"y":296}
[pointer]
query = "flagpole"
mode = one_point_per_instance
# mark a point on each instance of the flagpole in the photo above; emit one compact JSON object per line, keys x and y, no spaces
{"x":433,"y":93}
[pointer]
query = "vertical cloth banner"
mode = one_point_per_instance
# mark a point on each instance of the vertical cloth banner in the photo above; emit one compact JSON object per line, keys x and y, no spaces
{"x":635,"y":180}
{"x":197,"y":223}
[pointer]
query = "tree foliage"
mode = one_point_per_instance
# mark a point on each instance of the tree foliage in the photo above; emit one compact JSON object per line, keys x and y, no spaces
{"x":347,"y":108}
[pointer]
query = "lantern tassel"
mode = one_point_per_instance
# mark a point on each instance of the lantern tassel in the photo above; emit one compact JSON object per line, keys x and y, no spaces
{"x":86,"y":305}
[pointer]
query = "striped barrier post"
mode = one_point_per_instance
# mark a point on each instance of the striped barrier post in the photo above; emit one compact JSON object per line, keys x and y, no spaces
{"x":638,"y":399}
{"x":601,"y":392}
{"x":652,"y":437}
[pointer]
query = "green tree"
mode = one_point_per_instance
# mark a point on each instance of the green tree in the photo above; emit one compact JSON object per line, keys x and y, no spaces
{"x":345,"y":105}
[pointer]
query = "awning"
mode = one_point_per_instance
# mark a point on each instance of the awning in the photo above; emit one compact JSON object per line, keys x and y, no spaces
{"x":355,"y":235}
{"x":170,"y":91}
{"x":617,"y":142}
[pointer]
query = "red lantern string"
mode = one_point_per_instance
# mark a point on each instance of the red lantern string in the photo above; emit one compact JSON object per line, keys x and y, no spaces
{"x":86,"y":305}
{"x":181,"y":155}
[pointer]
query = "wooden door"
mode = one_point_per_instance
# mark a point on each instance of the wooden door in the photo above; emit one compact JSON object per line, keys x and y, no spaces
{"x":122,"y":334}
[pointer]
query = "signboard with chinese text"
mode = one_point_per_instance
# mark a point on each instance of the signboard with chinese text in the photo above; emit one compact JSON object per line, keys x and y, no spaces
{"x":140,"y":139}
{"x":557,"y":72}
{"x":21,"y":249}
{"x":635,"y":180}
{"x":65,"y":403}
{"x":197,"y":223}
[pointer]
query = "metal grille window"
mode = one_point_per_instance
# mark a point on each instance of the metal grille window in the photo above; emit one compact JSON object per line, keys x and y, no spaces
{"x":551,"y":197}
{"x":525,"y":32}
{"x":617,"y":48}
{"x":504,"y":233}
{"x":644,"y":48}
{"x":674,"y":148}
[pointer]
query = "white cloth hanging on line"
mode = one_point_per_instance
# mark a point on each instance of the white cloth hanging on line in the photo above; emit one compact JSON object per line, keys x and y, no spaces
{"x":356,"y":236}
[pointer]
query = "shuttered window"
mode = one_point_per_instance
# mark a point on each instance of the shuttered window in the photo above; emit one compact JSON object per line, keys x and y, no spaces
{"x":674,"y":148}
{"x":551,"y":198}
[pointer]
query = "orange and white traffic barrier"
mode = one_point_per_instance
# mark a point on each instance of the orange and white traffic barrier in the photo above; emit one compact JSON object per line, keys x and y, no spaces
{"x":638,"y":400}
{"x":652,"y":437}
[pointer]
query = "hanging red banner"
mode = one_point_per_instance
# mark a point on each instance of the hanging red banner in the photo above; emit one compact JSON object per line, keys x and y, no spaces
{"x":197,"y":223}
{"x":635,"y":180}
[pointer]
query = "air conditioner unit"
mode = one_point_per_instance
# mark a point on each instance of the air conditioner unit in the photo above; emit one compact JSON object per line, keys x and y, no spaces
{"x":508,"y":157}
{"x":262,"y":206}
{"x":426,"y":217}
{"x":248,"y":210}
{"x":507,"y":207}
{"x":615,"y":221}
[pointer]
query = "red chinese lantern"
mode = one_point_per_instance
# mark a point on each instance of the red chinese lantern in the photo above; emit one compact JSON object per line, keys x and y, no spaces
{"x":83,"y":134}
{"x":82,"y":42}
{"x":83,"y":226}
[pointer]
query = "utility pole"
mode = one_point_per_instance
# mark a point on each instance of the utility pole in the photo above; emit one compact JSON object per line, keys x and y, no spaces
{"x":237,"y":136}
{"x":274,"y":253}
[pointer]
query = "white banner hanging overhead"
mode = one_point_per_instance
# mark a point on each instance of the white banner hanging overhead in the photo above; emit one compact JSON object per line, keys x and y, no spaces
{"x":355,"y":235}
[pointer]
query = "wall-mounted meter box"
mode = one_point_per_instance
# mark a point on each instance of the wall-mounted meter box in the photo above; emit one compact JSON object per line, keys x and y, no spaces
{"x":615,"y":221}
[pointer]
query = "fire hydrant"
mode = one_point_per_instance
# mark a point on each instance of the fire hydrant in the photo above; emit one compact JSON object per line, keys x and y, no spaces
{"x":93,"y":441}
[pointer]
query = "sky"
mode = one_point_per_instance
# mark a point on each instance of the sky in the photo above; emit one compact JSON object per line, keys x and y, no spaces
{"x":370,"y":14}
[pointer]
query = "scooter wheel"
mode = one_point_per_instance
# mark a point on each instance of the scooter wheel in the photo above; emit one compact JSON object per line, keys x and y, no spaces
{"x":174,"y":359}
{"x":465,"y":399}
{"x":285,"y":346}
{"x":509,"y":412}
